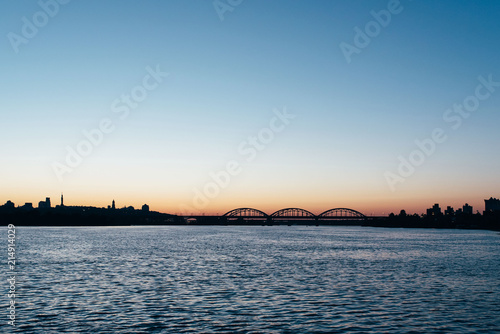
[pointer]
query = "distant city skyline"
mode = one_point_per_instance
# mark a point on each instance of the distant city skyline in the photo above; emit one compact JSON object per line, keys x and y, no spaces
{"x":489,"y":205}
{"x":190,"y":106}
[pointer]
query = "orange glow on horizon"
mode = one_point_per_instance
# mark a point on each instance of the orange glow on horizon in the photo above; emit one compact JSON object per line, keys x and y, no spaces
{"x":167,"y":203}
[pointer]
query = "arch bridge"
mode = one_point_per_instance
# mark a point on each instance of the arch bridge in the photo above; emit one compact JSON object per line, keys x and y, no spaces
{"x":341,"y":213}
{"x":293,"y":214}
{"x":245,"y":212}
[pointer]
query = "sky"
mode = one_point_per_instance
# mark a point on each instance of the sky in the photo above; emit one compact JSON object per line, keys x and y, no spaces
{"x":201,"y":106}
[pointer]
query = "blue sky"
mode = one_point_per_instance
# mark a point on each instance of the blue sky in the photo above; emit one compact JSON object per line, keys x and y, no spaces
{"x":225,"y":78}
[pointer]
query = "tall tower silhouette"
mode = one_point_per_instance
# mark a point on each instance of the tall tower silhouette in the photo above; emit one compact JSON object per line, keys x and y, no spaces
{"x":62,"y":200}
{"x":113,"y":206}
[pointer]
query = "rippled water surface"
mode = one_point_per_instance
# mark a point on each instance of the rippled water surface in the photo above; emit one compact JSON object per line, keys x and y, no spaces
{"x":265,"y":279}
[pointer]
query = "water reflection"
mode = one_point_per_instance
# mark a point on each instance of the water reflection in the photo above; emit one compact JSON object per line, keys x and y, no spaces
{"x":257,"y":279}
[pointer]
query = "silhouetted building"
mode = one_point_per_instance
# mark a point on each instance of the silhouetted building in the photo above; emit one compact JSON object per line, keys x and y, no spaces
{"x":44,"y":205}
{"x":113,"y":205}
{"x":434,"y":211}
{"x":27,"y":206}
{"x":449,"y":211}
{"x":491,"y":205}
{"x":9,"y":204}
{"x":145,"y":208}
{"x":467,"y":209}
{"x":62,"y":200}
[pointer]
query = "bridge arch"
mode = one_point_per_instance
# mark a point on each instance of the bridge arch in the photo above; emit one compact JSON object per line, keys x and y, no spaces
{"x":245,"y":212}
{"x":293,"y":212}
{"x":342,"y":212}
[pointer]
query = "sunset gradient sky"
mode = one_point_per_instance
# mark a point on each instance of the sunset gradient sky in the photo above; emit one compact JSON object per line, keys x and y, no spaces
{"x":260,"y":96}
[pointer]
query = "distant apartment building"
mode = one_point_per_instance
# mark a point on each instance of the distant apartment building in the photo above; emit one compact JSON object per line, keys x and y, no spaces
{"x":27,"y":206}
{"x":467,"y":209}
{"x":44,"y":204}
{"x":434,"y":211}
{"x":449,"y":211}
{"x":492,"y":205}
